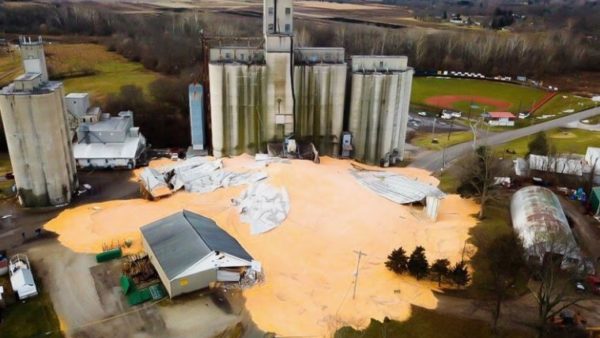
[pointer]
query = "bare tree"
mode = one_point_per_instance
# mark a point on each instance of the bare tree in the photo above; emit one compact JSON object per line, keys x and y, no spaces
{"x":478,"y":176}
{"x":553,"y":290}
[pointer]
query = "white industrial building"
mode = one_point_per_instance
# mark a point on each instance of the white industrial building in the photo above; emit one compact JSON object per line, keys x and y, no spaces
{"x":264,"y":95}
{"x":104,"y":141}
{"x":190,"y":252}
{"x":37,"y":132}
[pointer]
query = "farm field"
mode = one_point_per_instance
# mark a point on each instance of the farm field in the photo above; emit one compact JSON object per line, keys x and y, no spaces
{"x":91,"y":68}
{"x":460,"y":94}
{"x":572,"y":141}
{"x":10,"y":67}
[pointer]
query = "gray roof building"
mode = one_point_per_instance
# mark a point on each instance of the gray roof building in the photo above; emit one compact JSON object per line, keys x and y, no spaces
{"x":190,"y":251}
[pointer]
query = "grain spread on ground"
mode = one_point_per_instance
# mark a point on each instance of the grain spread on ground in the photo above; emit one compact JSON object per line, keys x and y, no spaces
{"x":309,"y":260}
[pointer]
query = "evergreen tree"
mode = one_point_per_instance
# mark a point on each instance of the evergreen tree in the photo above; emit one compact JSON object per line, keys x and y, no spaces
{"x":417,"y":263}
{"x":397,"y":261}
{"x":460,"y":275}
{"x":539,"y":145}
{"x":441,"y":268}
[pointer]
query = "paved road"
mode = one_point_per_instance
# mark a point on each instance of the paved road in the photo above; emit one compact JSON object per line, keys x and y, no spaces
{"x":432,"y":160}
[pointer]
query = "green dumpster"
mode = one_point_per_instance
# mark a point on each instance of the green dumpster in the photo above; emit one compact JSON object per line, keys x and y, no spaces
{"x":109,"y":255}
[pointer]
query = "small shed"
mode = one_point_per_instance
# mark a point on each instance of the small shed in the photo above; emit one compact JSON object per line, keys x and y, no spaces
{"x":190,"y":252}
{"x":500,"y":119}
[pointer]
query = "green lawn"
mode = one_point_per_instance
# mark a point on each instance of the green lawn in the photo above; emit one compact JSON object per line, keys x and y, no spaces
{"x":593,"y":120}
{"x":34,"y":317}
{"x":519,"y":97}
{"x":573,"y":141}
{"x":424,"y":140}
{"x":112,"y":71}
{"x":564,"y":102}
{"x":424,"y":323}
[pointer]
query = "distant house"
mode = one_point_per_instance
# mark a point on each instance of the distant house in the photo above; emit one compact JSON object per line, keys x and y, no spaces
{"x":500,"y":119}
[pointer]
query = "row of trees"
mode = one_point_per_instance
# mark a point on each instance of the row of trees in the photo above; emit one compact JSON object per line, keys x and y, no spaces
{"x":418,"y":266}
{"x":170,"y":42}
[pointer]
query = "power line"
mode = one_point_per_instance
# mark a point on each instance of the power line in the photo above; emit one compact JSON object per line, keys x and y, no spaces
{"x":360,"y":254}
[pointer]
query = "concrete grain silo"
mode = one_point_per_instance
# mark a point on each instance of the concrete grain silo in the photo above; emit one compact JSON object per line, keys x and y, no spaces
{"x":278,"y":91}
{"x":34,"y":117}
{"x":379,"y":101}
{"x":320,"y":88}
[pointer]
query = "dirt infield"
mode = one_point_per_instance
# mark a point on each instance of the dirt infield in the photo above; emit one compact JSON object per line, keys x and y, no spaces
{"x":448,"y":101}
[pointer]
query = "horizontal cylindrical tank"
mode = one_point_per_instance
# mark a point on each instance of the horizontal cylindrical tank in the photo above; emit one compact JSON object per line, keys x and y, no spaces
{"x":540,"y":222}
{"x":35,"y":125}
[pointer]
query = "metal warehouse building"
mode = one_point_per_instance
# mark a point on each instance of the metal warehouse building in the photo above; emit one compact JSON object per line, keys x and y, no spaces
{"x":190,"y":252}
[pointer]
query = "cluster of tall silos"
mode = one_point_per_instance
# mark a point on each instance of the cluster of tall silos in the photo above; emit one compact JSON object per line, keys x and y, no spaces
{"x":379,"y":102}
{"x":238,"y":115}
{"x":34,"y":117}
{"x":320,"y":93}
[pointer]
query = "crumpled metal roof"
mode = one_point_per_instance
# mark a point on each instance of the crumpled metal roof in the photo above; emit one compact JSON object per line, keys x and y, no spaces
{"x":182,"y":239}
{"x":395,"y":187}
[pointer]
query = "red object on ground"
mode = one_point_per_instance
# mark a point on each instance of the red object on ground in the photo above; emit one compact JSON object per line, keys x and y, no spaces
{"x":543,"y":101}
{"x":501,"y":115}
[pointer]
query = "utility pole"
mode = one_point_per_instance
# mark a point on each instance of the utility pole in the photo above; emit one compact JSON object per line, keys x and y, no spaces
{"x":360,"y":254}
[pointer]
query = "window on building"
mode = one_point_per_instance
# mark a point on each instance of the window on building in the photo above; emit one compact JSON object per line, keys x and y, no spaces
{"x":288,"y":11}
{"x":271,"y":11}
{"x":242,"y":57}
{"x":380,"y":64}
{"x":270,"y":27}
{"x":287,"y":27}
{"x":228,"y":55}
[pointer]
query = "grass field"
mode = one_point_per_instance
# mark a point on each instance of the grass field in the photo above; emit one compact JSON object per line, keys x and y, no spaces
{"x":563,"y":104}
{"x":424,"y":323}
{"x":110,"y":70}
{"x":424,"y":140}
{"x":573,"y":141}
{"x":10,"y":67}
{"x":33,"y":318}
{"x":518,"y":97}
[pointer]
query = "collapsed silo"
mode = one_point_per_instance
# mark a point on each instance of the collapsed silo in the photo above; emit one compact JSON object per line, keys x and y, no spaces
{"x":34,"y":117}
{"x":379,"y":102}
{"x":540,"y":222}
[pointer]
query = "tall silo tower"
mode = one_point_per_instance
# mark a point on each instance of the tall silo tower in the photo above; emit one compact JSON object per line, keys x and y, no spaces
{"x":35,"y":124}
{"x":278,"y":20}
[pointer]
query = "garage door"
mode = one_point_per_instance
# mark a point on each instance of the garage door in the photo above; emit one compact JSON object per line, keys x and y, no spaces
{"x":228,"y":276}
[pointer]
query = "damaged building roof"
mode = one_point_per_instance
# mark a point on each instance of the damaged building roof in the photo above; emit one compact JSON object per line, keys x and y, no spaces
{"x":182,"y":239}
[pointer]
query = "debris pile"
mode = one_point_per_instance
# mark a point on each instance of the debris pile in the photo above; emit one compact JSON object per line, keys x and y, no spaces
{"x":196,"y":174}
{"x":396,"y":188}
{"x":263,"y":206}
